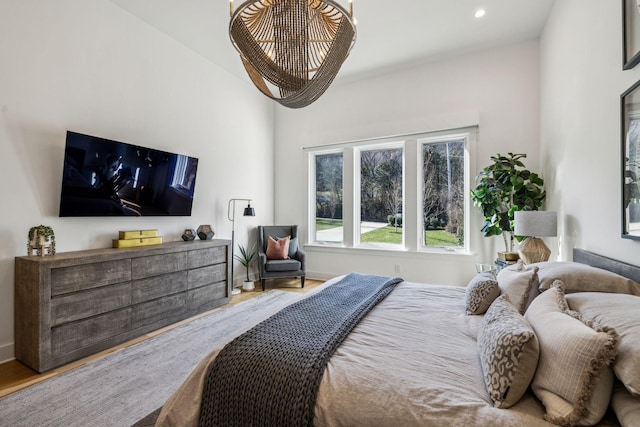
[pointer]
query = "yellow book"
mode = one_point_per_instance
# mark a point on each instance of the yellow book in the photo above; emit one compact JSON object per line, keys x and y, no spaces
{"x":136,"y":234}
{"x":143,"y":241}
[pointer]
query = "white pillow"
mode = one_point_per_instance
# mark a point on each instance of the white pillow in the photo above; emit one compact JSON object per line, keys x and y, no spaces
{"x":625,"y":406}
{"x":573,"y":379}
{"x":520,"y":284}
{"x":577,"y":277}
{"x":621,"y":312}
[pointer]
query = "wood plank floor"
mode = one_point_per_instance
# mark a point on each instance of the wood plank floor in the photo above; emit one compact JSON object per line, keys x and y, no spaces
{"x":15,"y":376}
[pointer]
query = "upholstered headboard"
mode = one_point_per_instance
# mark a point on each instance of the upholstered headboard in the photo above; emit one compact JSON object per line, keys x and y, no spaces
{"x":622,"y":268}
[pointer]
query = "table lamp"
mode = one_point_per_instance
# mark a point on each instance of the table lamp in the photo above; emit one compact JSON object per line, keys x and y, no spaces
{"x":533,"y":225}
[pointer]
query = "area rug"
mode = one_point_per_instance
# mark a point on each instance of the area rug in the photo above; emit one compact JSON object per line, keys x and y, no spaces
{"x":125,"y":386}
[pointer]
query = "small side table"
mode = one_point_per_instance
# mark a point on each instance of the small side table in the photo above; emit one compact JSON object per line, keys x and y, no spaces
{"x":482,"y":267}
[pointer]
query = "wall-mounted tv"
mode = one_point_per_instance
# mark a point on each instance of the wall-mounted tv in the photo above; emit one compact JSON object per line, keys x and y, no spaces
{"x":102,"y":177}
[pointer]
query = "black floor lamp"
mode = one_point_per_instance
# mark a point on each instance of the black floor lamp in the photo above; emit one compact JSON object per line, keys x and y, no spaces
{"x":231,"y":214}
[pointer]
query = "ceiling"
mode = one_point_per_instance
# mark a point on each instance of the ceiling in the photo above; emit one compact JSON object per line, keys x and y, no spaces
{"x":391,"y":34}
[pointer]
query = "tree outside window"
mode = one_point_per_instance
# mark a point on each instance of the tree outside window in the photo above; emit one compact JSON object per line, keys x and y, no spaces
{"x":328,"y":179}
{"x":381,"y":173}
{"x":443,"y":193}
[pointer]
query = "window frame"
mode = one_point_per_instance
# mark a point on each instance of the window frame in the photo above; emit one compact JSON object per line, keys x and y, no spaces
{"x":469,"y":141}
{"x":412,"y":188}
{"x":389,"y":145}
{"x":312,"y":200}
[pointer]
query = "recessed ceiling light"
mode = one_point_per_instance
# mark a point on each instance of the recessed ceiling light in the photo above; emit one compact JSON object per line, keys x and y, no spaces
{"x":480,"y":13}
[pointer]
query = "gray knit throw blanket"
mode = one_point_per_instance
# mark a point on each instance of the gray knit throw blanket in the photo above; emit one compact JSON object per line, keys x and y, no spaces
{"x":270,"y":375}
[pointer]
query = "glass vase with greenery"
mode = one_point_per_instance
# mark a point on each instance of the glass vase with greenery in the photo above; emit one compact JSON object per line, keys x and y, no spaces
{"x":504,"y":187}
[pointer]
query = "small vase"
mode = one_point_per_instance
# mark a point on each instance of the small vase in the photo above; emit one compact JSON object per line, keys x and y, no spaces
{"x":248,"y":285}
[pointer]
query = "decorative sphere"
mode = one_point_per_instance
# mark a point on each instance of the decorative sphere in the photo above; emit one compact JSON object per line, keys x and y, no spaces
{"x":206,"y":232}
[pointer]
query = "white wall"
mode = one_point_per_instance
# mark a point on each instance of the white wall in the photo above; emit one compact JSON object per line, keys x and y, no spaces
{"x":581,"y":83}
{"x":497,"y":89}
{"x":89,"y":66}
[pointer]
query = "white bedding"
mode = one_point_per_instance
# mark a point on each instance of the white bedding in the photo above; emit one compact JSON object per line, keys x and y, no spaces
{"x":412,"y":361}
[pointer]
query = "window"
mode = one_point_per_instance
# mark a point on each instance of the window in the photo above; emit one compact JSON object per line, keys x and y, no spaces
{"x":401,"y":193}
{"x":443,"y":193}
{"x":381,"y":172}
{"x":328,"y":197}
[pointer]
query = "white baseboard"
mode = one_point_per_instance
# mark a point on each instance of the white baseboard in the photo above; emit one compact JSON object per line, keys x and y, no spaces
{"x":319,"y":276}
{"x":238,"y":280}
{"x":309,"y":275}
{"x":7,"y":353}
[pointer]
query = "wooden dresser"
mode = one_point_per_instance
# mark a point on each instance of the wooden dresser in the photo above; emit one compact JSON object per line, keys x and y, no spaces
{"x":71,"y":305}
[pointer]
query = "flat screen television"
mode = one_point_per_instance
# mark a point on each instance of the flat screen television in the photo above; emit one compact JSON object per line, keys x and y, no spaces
{"x":102,"y":177}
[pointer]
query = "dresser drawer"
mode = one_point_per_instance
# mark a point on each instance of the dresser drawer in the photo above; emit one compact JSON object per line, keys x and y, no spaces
{"x":206,"y":297}
{"x":86,"y":276}
{"x":207,"y":257}
{"x":156,"y":265}
{"x":158,"y":286}
{"x":207,"y":275}
{"x":76,"y":335}
{"x":80,"y":305}
{"x":163,"y":308}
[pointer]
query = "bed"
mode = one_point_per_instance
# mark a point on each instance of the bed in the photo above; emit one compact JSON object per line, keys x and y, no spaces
{"x":436,"y":355}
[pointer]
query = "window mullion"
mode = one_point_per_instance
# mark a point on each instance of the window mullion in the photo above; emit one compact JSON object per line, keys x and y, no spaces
{"x":412,"y":187}
{"x":350,"y":212}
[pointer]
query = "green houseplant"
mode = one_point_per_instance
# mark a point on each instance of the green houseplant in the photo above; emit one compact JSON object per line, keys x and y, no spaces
{"x":246,"y":257}
{"x":504,"y":187}
{"x":42,"y":239}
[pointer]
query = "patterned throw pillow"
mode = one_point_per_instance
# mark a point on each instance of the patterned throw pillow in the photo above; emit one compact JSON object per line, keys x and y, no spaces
{"x":482,"y":290}
{"x":520,"y":284}
{"x":573,"y":380}
{"x":508,"y":350}
{"x":278,"y":249}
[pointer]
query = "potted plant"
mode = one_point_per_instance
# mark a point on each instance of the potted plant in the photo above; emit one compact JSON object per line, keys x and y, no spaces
{"x":246,"y":257}
{"x":504,"y":187}
{"x":42,"y":239}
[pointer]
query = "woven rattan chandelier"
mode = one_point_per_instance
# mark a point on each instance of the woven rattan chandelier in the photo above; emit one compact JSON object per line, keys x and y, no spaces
{"x":292,"y":49}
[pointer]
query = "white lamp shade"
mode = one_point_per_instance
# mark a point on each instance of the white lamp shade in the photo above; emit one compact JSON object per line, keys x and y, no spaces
{"x":536,"y":223}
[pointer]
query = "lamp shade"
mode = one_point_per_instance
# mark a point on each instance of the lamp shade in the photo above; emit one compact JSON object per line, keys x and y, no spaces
{"x":536,"y":223}
{"x":248,"y":211}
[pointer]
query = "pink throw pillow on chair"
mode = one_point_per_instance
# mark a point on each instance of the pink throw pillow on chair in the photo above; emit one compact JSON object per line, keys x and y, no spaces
{"x":278,"y":249}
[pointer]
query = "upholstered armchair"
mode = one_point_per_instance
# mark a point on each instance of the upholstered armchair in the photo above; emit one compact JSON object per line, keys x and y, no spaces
{"x":272,"y":268}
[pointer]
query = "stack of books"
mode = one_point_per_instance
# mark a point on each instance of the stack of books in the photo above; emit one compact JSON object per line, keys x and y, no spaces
{"x":502,"y":263}
{"x":127,"y":239}
{"x":506,"y":259}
